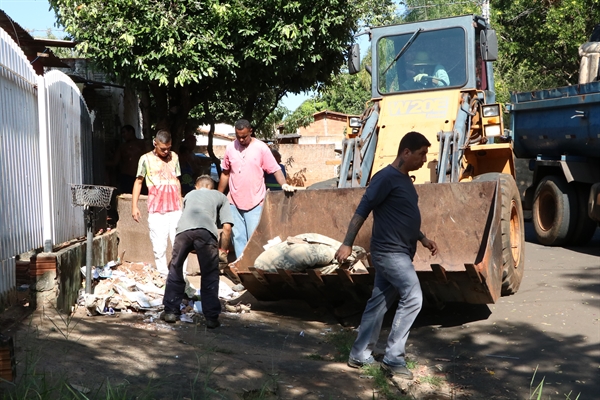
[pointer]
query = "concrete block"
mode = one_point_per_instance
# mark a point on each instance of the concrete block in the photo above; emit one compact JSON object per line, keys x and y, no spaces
{"x":134,"y":237}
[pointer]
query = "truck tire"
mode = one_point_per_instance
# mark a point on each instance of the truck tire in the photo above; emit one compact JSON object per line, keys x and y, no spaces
{"x":512,"y":229}
{"x":554,"y":211}
{"x":585,"y":227}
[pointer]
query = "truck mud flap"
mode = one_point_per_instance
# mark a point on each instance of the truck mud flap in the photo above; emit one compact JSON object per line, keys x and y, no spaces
{"x":463,"y":219}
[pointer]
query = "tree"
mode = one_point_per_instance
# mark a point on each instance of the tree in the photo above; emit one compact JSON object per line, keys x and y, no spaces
{"x":303,"y":115}
{"x":422,"y":10}
{"x":539,"y":41}
{"x":235,"y":59}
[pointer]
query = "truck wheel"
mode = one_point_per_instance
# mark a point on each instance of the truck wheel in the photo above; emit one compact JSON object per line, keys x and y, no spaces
{"x":585,"y":227}
{"x":554,"y":211}
{"x":513,"y":232}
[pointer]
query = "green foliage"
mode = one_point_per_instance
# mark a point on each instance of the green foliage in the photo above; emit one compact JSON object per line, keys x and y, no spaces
{"x":382,"y":383}
{"x":303,"y":115}
{"x":348,"y":93}
{"x":538,"y":40}
{"x":342,"y":341}
{"x":422,"y":10}
{"x":239,"y":57}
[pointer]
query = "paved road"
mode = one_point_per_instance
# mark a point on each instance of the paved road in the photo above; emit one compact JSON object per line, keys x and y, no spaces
{"x":552,"y":324}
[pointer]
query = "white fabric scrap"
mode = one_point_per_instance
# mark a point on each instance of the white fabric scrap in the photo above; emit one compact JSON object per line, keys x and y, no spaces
{"x":150,"y":288}
{"x":138,"y":297}
{"x":186,"y":318}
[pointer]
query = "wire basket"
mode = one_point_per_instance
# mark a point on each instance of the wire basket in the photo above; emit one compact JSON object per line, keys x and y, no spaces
{"x":91,"y":195}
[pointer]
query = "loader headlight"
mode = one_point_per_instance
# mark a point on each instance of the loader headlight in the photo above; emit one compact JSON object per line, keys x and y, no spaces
{"x":493,"y":131}
{"x":491,"y":111}
{"x":354,"y":122}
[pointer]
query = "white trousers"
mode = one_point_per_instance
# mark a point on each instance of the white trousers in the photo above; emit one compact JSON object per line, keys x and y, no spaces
{"x":162,"y":228}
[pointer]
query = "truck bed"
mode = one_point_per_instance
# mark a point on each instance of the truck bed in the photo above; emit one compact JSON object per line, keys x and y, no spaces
{"x":557,"y":122}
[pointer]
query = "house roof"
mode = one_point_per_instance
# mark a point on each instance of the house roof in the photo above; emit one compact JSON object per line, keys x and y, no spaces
{"x":220,"y":128}
{"x":36,"y":50}
{"x":216,"y":135}
{"x":288,"y":136}
{"x":327,"y":112}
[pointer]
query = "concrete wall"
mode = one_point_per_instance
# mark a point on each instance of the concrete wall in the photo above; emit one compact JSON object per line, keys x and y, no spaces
{"x":56,"y":277}
{"x":310,"y":162}
{"x":134,"y":237}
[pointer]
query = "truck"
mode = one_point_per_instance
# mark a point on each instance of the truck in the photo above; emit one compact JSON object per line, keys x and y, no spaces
{"x":468,"y":197}
{"x":558,"y":130}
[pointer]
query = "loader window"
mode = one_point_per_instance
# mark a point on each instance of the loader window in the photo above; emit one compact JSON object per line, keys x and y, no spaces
{"x":434,"y":60}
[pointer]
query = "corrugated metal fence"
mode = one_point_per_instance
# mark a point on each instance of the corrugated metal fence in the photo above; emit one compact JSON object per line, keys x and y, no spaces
{"x":45,"y":145}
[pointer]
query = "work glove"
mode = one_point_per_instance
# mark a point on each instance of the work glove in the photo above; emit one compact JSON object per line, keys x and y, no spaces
{"x":418,"y":77}
{"x":288,"y":188}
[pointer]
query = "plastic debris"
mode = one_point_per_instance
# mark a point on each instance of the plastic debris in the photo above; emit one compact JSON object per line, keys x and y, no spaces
{"x":186,"y":318}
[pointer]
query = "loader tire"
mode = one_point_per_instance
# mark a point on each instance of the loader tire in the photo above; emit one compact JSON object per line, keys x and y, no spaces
{"x":512,"y":228}
{"x":585,"y":227}
{"x":554,"y":212}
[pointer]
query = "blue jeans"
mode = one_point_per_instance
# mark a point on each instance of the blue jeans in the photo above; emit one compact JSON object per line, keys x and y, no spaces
{"x":244,"y":224}
{"x":394,"y":275}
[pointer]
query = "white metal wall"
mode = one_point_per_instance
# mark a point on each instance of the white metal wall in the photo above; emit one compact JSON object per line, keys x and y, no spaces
{"x":45,"y":146}
{"x":20,"y":197}
{"x":69,"y":139}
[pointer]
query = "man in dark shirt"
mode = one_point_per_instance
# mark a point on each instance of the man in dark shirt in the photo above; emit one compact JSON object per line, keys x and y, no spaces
{"x":197,"y":230}
{"x":393,"y":199}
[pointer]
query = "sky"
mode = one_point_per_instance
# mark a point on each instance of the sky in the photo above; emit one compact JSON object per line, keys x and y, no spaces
{"x":36,"y":17}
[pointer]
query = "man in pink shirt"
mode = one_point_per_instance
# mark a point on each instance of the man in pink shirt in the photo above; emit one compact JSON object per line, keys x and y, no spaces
{"x":245,"y":162}
{"x":160,"y":168}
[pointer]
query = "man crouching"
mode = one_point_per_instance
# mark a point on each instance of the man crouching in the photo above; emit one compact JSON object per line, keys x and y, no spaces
{"x":197,"y":230}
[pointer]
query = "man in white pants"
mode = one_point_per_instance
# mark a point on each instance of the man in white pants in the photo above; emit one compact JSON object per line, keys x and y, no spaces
{"x":160,"y":168}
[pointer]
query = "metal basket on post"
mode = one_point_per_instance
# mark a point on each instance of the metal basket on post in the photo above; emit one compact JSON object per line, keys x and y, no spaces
{"x":89,"y":197}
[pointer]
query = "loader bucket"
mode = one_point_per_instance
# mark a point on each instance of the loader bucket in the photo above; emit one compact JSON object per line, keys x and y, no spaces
{"x":462,"y":218}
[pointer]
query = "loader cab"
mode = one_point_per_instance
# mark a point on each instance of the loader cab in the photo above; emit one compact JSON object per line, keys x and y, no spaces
{"x":433,"y":60}
{"x":448,"y":53}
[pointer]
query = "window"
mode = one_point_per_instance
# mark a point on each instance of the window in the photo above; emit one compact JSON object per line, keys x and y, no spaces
{"x":434,"y":60}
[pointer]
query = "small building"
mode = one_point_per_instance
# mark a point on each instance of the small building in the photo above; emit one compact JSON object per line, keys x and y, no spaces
{"x":329,"y":127}
{"x":223,"y":135}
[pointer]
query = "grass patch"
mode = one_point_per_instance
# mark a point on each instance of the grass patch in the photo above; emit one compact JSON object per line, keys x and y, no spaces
{"x":432,"y":380}
{"x":381,"y":384}
{"x":342,"y":341}
{"x":536,"y":393}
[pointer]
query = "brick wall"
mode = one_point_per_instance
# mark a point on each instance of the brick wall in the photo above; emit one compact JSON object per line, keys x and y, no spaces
{"x":331,"y":125}
{"x":311,"y":157}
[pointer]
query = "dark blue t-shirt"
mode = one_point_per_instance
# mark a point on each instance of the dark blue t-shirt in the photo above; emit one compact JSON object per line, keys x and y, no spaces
{"x":393,"y":199}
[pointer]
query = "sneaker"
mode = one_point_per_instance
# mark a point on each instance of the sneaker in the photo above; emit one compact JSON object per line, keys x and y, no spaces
{"x":212,"y":323}
{"x":354,"y":363}
{"x":400,"y":371}
{"x":169,"y":317}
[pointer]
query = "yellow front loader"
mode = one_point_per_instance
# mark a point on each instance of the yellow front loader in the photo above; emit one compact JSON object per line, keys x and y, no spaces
{"x":468,"y":197}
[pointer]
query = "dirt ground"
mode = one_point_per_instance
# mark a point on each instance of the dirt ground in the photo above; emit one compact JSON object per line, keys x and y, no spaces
{"x":278,"y":350}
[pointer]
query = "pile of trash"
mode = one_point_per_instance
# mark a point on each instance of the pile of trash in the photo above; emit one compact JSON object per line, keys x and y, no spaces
{"x":128,"y":287}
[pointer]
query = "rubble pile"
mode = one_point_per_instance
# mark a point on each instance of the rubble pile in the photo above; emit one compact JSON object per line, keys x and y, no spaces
{"x":128,"y":287}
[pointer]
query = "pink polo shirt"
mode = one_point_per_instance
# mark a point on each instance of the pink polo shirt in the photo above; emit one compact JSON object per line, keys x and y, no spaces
{"x":246,"y":166}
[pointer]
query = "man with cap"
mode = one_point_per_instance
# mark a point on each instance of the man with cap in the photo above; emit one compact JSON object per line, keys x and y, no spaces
{"x":423,"y":72}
